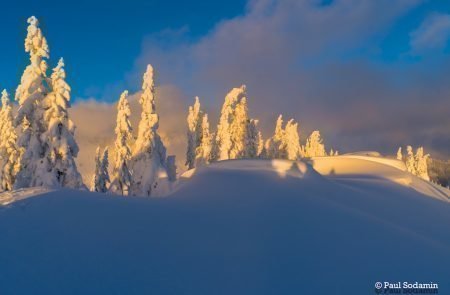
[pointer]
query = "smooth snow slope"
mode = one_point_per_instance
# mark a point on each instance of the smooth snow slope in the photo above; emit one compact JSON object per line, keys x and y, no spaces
{"x":358,"y":168}
{"x":235,"y":227}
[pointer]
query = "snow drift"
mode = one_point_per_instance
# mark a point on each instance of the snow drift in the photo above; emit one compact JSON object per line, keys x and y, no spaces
{"x":234,"y":227}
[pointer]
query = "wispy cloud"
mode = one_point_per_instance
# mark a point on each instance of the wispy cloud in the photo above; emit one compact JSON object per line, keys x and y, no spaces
{"x":433,"y":33}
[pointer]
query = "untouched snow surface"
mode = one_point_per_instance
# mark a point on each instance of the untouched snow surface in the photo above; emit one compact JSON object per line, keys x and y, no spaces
{"x":234,"y":227}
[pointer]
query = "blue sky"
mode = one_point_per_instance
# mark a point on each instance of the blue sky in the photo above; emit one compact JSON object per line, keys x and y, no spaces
{"x":368,"y":74}
{"x":100,"y":40}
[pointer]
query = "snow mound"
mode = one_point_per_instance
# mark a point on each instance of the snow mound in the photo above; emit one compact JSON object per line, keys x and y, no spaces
{"x":279,"y":167}
{"x":364,"y":153}
{"x":9,"y":197}
{"x":276,"y":169}
{"x":358,"y":168}
{"x":234,"y":227}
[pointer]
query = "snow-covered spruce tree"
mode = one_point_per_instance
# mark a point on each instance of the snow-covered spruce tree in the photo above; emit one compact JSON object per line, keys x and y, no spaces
{"x":253,"y":139}
{"x":105,"y":171}
{"x":261,"y":149}
{"x":200,"y":140}
{"x":333,"y":153}
{"x":273,"y":145}
{"x":399,"y":154}
{"x":122,"y":179}
{"x":291,"y":141}
{"x":34,"y":86}
{"x":421,"y":164}
{"x":314,"y":146}
{"x":194,"y":133}
{"x":238,"y":130}
{"x":230,"y":134}
{"x":101,"y":178}
{"x":96,"y":176}
{"x":10,"y":153}
{"x":285,"y":143}
{"x":203,"y":152}
{"x":149,"y":153}
{"x":410,"y":161}
{"x":58,"y":168}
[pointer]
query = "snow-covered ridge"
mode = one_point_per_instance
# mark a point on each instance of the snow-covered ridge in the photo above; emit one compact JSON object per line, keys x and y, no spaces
{"x":359,"y":167}
{"x":9,"y":197}
{"x":348,"y":169}
{"x":239,"y":226}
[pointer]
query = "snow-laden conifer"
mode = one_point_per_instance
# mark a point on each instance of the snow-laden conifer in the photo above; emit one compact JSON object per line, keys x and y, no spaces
{"x":417,"y":163}
{"x":10,"y":153}
{"x":410,"y":161}
{"x":238,"y":130}
{"x":203,"y":152}
{"x":58,"y":168}
{"x":314,"y":146}
{"x":261,"y":149}
{"x":200,"y":140}
{"x":194,"y":133}
{"x":230,"y":134}
{"x":274,"y":144}
{"x":421,"y":164}
{"x":285,"y":142}
{"x":253,"y":139}
{"x":34,"y":86}
{"x":399,"y":154}
{"x":100,"y":179}
{"x":291,"y":141}
{"x":149,"y":153}
{"x":122,"y":179}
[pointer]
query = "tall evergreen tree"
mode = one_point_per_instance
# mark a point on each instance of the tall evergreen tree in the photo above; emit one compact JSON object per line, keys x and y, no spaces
{"x":399,"y":154}
{"x":96,"y":175}
{"x":229,"y":140}
{"x":253,"y":139}
{"x":101,"y":178}
{"x":261,"y":148}
{"x":410,"y":160}
{"x":416,"y":164}
{"x":200,"y":140}
{"x":194,"y":133}
{"x":60,"y":147}
{"x":34,"y":86}
{"x":122,"y":179}
{"x":149,"y":154}
{"x":314,"y":146}
{"x":10,"y":153}
{"x":285,"y":143}
{"x":238,"y":130}
{"x":203,"y":152}
{"x":291,"y":141}
{"x":421,"y":164}
{"x":274,"y":144}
